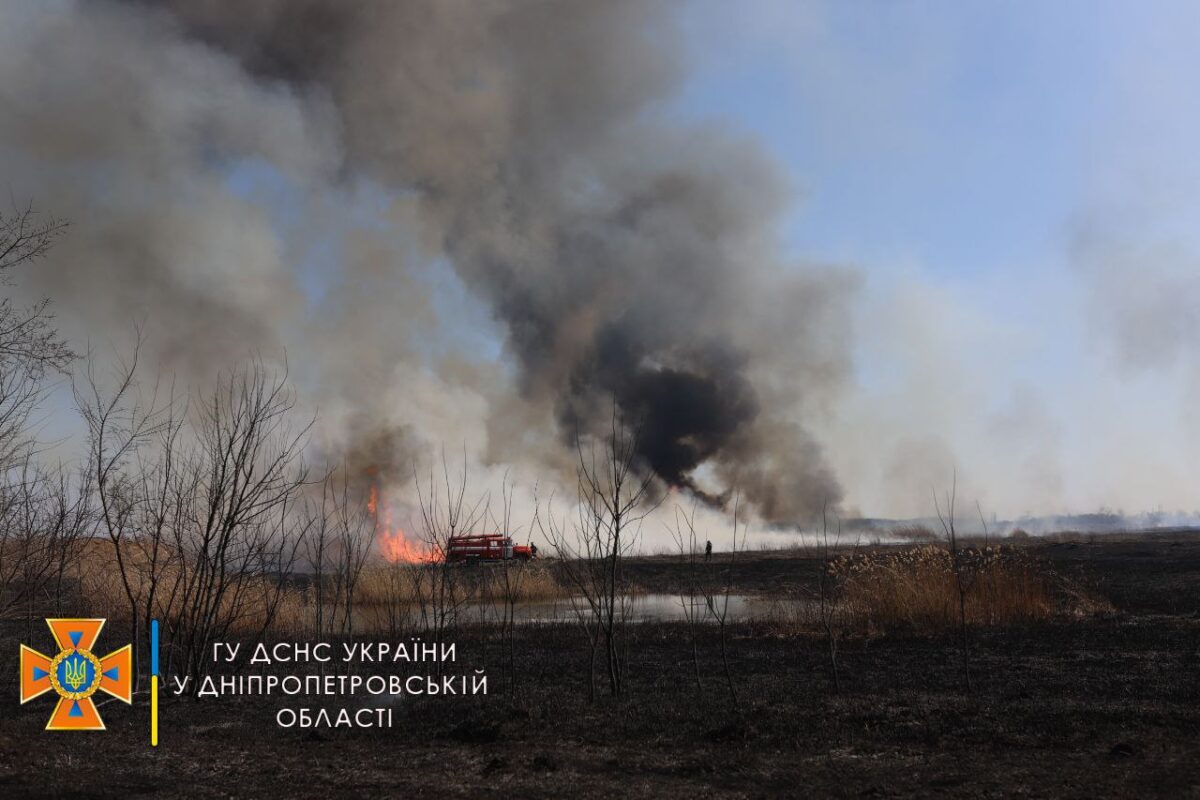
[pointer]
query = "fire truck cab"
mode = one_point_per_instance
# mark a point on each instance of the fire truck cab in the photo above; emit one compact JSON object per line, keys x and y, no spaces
{"x":485,"y":547}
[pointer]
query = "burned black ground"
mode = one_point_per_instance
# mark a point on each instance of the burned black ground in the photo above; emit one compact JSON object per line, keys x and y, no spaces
{"x":1099,"y":705}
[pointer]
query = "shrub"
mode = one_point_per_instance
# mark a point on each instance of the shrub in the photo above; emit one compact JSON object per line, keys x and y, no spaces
{"x":915,"y":588}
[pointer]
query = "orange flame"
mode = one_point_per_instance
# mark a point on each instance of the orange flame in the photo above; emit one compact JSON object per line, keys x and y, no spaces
{"x":393,"y":543}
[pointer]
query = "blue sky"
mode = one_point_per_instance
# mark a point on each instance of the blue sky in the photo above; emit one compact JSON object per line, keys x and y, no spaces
{"x":954,"y":155}
{"x":1022,"y":177}
{"x":1014,"y":185}
{"x":946,"y":133}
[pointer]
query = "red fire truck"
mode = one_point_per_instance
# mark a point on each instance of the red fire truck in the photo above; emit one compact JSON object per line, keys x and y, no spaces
{"x":486,"y":547}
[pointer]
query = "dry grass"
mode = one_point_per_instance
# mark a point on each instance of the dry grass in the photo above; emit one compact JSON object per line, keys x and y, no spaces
{"x":391,"y":597}
{"x":913,"y":588}
{"x":916,"y":588}
{"x":385,"y":595}
{"x":403,"y":584}
{"x":96,"y":574}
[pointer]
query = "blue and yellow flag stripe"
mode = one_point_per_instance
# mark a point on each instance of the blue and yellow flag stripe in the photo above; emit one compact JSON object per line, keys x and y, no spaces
{"x":154,"y":683}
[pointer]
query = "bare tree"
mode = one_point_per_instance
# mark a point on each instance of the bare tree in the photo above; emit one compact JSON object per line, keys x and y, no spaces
{"x":119,"y":425}
{"x":238,"y":540}
{"x":355,"y":538}
{"x":690,"y":591}
{"x":828,"y":607}
{"x":42,"y":518}
{"x":196,"y":499}
{"x":279,"y":561}
{"x":72,"y":522}
{"x":613,"y":498}
{"x":964,"y":573}
{"x":581,"y":564}
{"x":318,"y":547}
{"x":397,"y":583}
{"x":37,"y":514}
{"x":338,"y":540}
{"x":28,"y":341}
{"x":718,"y":590}
{"x":445,"y":513}
{"x":511,"y":574}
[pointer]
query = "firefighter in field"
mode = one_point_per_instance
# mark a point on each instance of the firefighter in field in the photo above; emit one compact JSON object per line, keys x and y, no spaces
{"x":532,"y":550}
{"x":708,"y":550}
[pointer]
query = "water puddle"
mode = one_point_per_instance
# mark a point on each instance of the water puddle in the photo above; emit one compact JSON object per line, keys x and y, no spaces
{"x":649,"y":608}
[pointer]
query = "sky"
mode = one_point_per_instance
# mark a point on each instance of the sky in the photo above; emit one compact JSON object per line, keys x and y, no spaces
{"x":952,"y":134}
{"x":1017,"y":182}
{"x":1010,"y":190}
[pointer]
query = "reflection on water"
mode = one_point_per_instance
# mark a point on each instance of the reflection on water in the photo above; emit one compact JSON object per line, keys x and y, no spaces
{"x":652,"y":608}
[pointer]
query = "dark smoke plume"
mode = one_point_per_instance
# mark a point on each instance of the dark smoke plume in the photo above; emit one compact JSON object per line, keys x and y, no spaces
{"x":627,"y":256}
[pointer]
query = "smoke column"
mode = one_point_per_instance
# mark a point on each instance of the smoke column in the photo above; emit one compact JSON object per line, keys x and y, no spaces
{"x":625,"y":256}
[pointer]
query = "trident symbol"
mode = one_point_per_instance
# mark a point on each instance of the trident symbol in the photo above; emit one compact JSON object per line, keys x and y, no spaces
{"x":76,"y":669}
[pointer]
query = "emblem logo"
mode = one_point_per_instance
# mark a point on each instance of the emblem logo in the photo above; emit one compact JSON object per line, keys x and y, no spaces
{"x":75,"y":674}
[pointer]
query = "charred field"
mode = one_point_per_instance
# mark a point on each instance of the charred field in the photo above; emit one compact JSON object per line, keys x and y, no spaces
{"x":1098,"y":704}
{"x":566,"y":340}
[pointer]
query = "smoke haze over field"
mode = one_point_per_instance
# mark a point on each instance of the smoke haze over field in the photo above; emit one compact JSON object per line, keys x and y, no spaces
{"x":622,"y":256}
{"x":485,"y":222}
